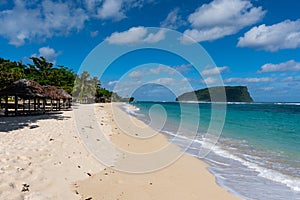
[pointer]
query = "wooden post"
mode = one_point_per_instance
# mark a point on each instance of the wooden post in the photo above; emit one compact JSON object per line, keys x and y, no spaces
{"x":39,"y":101}
{"x":16,"y":105}
{"x":51,"y":104}
{"x":23,"y":104}
{"x":70,"y":103}
{"x":59,"y":104}
{"x":29,"y":105}
{"x":44,"y":104}
{"x":6,"y":106}
{"x":34,"y":104}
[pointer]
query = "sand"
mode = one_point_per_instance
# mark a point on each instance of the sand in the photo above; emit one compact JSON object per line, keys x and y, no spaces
{"x":41,"y":157}
{"x":183,"y":178}
{"x":63,"y":156}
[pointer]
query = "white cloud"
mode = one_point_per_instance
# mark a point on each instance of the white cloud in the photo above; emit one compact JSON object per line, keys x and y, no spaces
{"x":111,"y":9}
{"x":249,"y":80}
{"x":266,"y":89}
{"x":136,"y":74}
{"x":155,"y":37}
{"x":173,"y":20}
{"x":48,"y":53}
{"x":112,"y":83}
{"x":291,"y":79}
{"x":210,"y":80}
{"x":164,"y":81}
{"x":161,"y":69}
{"x":21,"y":24}
{"x":36,"y":21}
{"x":135,"y":35}
{"x":183,"y":68}
{"x":284,"y":35}
{"x":220,"y":18}
{"x":214,"y":71}
{"x":289,"y":66}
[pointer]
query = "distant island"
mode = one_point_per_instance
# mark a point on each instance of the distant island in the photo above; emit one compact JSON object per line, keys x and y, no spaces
{"x":233,"y":94}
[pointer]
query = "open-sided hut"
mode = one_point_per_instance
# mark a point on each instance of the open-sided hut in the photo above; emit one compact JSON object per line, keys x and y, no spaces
{"x":66,"y":97}
{"x":22,"y":97}
{"x":53,"y":97}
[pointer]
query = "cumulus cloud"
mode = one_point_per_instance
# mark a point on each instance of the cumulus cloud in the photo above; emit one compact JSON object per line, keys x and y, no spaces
{"x":291,"y":79}
{"x":183,"y":68}
{"x":220,"y":18}
{"x":29,"y":21}
{"x":284,"y":35}
{"x":48,"y":53}
{"x":173,"y":20}
{"x":110,"y":83}
{"x":136,"y":74}
{"x":164,"y":81}
{"x":111,"y":9}
{"x":210,"y":80}
{"x":289,"y":66}
{"x":214,"y":71}
{"x":21,"y":24}
{"x":135,"y":35}
{"x":249,"y":80}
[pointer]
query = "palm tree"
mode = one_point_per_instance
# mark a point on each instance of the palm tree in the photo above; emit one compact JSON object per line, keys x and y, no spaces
{"x":85,"y":86}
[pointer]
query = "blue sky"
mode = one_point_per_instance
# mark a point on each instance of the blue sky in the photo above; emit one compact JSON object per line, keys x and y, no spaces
{"x":254,"y":43}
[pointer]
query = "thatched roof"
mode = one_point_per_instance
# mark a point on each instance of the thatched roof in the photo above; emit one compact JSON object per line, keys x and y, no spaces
{"x":64,"y":93}
{"x":52,"y":92}
{"x":24,"y":88}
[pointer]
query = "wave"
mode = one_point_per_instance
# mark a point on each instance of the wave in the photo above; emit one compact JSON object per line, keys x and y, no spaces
{"x":287,"y":103}
{"x":131,"y":109}
{"x":289,"y":181}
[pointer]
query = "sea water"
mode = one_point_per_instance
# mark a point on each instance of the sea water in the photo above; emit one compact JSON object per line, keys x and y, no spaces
{"x":258,"y":153}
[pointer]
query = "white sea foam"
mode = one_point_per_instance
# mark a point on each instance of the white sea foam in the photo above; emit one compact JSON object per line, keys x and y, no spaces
{"x":291,"y":182}
{"x":286,"y":103}
{"x":131,"y":109}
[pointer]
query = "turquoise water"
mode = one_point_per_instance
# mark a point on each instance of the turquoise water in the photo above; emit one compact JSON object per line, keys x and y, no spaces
{"x":258,"y":153}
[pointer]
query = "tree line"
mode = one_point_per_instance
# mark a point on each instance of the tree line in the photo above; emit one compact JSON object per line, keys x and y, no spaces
{"x":45,"y":73}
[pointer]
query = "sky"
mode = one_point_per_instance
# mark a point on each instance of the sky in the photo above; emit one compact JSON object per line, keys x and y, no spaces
{"x":255,"y":43}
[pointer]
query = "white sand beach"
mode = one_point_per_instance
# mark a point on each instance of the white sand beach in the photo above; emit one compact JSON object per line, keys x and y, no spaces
{"x":43,"y":157}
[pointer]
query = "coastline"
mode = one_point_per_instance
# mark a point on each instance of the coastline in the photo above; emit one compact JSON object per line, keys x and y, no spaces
{"x":186,"y":178}
{"x":44,"y":158}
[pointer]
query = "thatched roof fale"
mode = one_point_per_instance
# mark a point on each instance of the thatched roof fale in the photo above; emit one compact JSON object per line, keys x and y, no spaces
{"x":52,"y":92}
{"x":24,"y":88}
{"x":64,"y":93}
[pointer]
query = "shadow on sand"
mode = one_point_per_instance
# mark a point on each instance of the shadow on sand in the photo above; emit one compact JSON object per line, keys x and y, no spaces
{"x":14,"y":123}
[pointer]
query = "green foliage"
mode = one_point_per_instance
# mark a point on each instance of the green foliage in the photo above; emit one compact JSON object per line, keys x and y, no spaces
{"x":85,"y":86}
{"x":10,"y":72}
{"x":44,"y":73}
{"x":81,"y":86}
{"x":103,"y":93}
{"x":40,"y":71}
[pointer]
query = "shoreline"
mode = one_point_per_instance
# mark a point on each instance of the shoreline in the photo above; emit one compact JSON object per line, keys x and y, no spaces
{"x":186,"y":178}
{"x":44,"y":158}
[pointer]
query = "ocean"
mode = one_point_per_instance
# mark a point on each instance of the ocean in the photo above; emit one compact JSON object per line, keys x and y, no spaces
{"x":258,"y":153}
